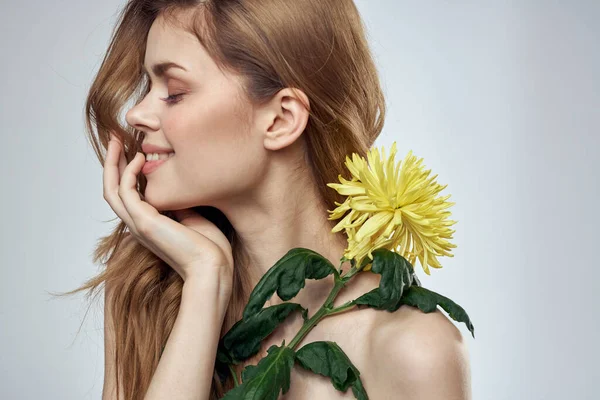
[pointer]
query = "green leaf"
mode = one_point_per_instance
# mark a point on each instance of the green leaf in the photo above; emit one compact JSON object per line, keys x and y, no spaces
{"x":363,"y":264}
{"x":287,"y":277}
{"x":243,"y":340}
{"x":221,"y":364}
{"x":397,"y":274}
{"x":372,"y":299}
{"x":359,"y":391}
{"x":427,"y":301}
{"x":223,"y":355}
{"x":416,"y":281}
{"x":265,"y":380}
{"x":328,"y":359}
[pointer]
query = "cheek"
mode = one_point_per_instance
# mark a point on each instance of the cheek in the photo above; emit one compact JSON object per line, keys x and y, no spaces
{"x":215,"y":155}
{"x":214,"y":176}
{"x":205,"y":121}
{"x":178,"y":126}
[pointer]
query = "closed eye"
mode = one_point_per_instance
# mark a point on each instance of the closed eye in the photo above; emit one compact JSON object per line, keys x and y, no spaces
{"x":173,"y":99}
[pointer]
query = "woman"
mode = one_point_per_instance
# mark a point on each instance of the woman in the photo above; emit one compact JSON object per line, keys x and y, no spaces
{"x":254,"y":106}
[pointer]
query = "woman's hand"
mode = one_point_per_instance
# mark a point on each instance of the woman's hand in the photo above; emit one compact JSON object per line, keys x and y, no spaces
{"x":193,"y":247}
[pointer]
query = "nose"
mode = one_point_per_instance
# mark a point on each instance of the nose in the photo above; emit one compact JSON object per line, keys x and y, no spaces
{"x":141,"y":116}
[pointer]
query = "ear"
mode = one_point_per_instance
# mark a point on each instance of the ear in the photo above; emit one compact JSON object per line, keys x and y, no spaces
{"x":284,"y":118}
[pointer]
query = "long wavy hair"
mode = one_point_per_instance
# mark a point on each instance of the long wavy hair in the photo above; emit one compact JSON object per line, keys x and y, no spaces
{"x":317,"y":46}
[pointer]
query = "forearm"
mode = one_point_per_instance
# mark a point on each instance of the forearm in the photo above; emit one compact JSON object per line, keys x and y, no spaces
{"x":186,"y":367}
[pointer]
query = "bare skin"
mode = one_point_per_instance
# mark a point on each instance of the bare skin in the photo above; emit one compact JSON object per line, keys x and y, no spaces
{"x":244,"y":161}
{"x":404,"y":355}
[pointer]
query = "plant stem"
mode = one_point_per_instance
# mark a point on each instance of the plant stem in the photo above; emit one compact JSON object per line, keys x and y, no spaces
{"x":235,"y":379}
{"x":325,"y":310}
{"x":346,"y":306}
{"x":349,"y":274}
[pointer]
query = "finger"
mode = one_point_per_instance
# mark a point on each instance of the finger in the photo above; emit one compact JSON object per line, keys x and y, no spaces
{"x":140,"y":211}
{"x":122,"y":161}
{"x":108,"y":150}
{"x":110,"y":175}
{"x":111,"y":178}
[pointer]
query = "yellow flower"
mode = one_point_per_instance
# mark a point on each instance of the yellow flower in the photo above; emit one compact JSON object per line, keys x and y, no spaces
{"x":394,"y":207}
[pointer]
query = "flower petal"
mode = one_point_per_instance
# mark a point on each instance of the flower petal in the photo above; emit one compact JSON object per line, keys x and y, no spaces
{"x":374,"y":224}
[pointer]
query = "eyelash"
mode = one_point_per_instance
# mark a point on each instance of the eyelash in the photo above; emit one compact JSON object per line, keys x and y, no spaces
{"x":173,"y":99}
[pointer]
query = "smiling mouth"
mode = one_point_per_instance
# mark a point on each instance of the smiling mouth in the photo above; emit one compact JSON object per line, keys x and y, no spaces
{"x":151,"y":165}
{"x":159,"y":156}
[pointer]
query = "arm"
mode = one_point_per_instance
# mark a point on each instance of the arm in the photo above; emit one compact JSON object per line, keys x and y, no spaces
{"x":186,"y":367}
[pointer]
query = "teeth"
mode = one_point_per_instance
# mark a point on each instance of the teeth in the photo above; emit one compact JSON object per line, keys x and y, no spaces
{"x":158,"y":156}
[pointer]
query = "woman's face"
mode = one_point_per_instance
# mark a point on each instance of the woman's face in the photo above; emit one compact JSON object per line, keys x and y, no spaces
{"x":201,"y":114}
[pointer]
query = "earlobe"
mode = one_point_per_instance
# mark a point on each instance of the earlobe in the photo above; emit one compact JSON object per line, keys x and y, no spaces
{"x":288,"y":119}
{"x":279,"y":140}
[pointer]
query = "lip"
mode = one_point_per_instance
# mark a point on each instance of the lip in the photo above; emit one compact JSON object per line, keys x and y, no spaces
{"x":152,"y":148}
{"x":150,"y":166}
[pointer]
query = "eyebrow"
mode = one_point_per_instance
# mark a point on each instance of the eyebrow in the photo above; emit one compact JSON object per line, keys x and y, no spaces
{"x":160,"y":68}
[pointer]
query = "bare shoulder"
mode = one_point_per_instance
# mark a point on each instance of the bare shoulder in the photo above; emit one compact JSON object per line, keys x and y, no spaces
{"x":420,"y":355}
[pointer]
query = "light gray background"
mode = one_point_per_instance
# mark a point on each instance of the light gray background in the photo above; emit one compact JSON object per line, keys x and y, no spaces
{"x":501,"y":99}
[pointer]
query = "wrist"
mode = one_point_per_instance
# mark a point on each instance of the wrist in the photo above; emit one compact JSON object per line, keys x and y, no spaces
{"x":212,"y":287}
